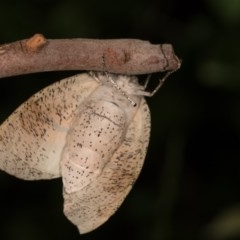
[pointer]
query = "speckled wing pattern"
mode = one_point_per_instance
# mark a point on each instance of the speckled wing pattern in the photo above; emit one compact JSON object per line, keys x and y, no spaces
{"x":92,"y":205}
{"x":87,"y":131}
{"x":32,"y":138}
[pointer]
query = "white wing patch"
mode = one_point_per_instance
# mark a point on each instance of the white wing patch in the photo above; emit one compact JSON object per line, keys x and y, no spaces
{"x":89,"y":133}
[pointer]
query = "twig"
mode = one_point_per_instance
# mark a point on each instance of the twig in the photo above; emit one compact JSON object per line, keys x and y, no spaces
{"x":125,"y":56}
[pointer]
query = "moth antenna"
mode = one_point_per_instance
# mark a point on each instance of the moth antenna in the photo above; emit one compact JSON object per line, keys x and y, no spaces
{"x":120,"y":90}
{"x":94,"y":75}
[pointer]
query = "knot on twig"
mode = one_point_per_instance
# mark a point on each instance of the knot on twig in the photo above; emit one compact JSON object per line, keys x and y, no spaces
{"x":35,"y":43}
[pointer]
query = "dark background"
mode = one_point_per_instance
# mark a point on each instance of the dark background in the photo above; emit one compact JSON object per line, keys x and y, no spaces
{"x":189,"y":185}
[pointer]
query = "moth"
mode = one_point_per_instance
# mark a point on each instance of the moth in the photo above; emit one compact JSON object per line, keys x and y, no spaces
{"x":92,"y":130}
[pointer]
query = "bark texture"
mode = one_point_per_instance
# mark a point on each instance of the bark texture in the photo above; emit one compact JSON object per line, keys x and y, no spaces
{"x":122,"y":56}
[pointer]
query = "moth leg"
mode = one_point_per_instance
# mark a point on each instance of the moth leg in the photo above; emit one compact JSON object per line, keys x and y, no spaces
{"x":160,"y":83}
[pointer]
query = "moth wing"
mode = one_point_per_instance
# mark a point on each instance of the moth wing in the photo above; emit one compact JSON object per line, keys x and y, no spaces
{"x":91,"y":206}
{"x":33,"y":136}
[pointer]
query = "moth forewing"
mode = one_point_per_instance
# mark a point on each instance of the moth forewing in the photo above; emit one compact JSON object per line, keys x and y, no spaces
{"x":98,"y":129}
{"x":32,"y":138}
{"x":91,"y":206}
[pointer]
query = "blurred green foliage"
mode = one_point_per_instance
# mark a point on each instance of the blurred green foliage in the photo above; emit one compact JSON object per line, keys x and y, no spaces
{"x":188,"y":188}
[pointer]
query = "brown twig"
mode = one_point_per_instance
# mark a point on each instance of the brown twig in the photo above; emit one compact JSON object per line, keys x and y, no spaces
{"x":124,"y":56}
